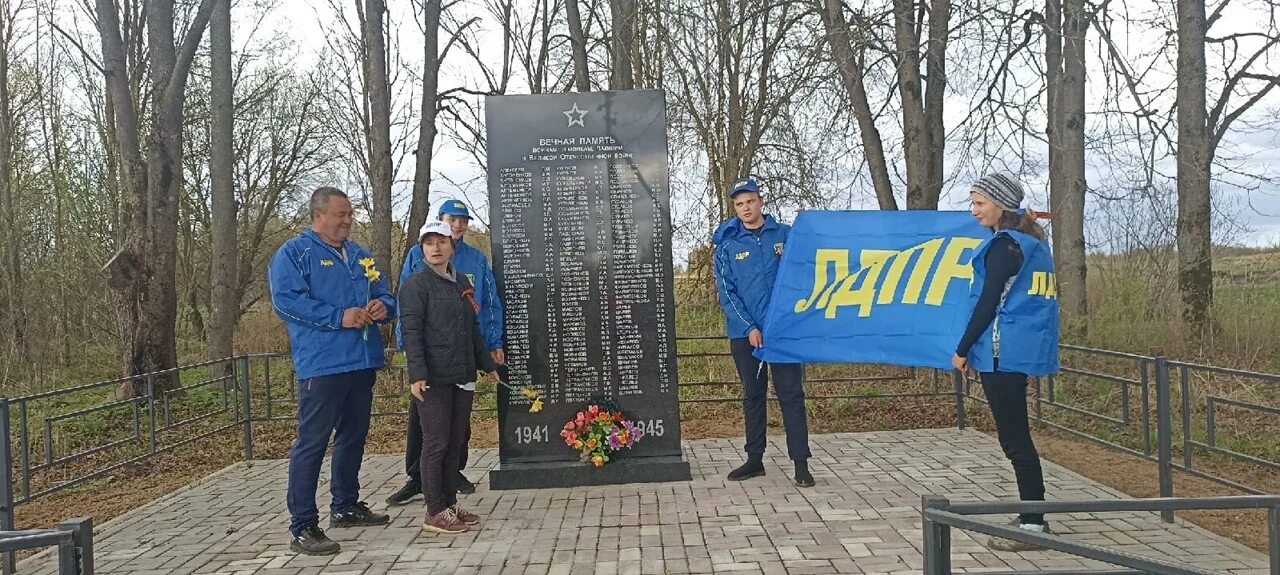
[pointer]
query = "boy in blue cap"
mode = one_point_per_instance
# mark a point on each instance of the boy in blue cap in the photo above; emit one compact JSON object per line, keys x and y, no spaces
{"x":748,"y":248}
{"x":471,"y":262}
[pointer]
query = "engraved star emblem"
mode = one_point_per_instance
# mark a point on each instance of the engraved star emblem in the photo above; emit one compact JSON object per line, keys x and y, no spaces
{"x":575,"y":112}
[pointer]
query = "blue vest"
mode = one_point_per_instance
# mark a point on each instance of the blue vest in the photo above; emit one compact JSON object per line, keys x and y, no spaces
{"x":1027,"y":317}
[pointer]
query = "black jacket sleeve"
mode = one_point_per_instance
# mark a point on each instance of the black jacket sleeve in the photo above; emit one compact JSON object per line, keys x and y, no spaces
{"x":414,"y":300}
{"x":1003,"y":260}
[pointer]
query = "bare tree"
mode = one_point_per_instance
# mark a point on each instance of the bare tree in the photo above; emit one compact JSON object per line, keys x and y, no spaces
{"x":378,"y":94}
{"x":850,"y":60}
{"x":741,"y":69}
{"x":622,"y":46}
{"x":935,"y":92}
{"x":578,"y":41}
{"x":1202,"y":125}
{"x":54,"y":137}
{"x":222,"y":320}
{"x":142,"y":273}
{"x":532,"y":40}
{"x":923,"y":136}
{"x":283,"y":149}
{"x":1195,"y":263}
{"x":1066,"y":27}
{"x":649,"y":45}
{"x":12,"y":252}
{"x":426,"y":122}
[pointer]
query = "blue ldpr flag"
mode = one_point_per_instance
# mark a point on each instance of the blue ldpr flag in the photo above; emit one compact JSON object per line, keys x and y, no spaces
{"x":888,"y":287}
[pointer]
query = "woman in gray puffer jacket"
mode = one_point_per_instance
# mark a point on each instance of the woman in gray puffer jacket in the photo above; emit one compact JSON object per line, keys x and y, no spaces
{"x":444,"y":348}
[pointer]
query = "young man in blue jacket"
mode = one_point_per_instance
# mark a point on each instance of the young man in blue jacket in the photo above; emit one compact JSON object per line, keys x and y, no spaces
{"x":329,"y":293}
{"x":748,"y":248}
{"x":471,"y":262}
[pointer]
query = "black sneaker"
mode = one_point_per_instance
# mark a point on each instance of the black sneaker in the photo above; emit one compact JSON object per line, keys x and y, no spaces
{"x":752,"y":468}
{"x":358,"y":515}
{"x":465,"y":486}
{"x":313,"y":541}
{"x":405,"y":494}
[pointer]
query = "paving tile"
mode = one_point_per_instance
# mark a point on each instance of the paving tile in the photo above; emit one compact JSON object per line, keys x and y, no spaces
{"x":863,"y":516}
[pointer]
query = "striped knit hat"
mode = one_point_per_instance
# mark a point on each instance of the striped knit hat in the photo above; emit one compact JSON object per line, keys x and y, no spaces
{"x":1003,"y":188}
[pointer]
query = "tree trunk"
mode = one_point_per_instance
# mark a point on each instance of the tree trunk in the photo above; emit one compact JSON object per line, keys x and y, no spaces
{"x":13,"y":251}
{"x":143,"y":273}
{"x":222,"y":266}
{"x":427,"y":126}
{"x":60,"y":239}
{"x":127,"y":270}
{"x":56,"y":152}
{"x":850,"y":66}
{"x":732,"y":165}
{"x":159,"y":304}
{"x":915,"y":129}
{"x":378,"y":92}
{"x":1195,"y":266}
{"x":935,"y":93}
{"x":1069,"y":245}
{"x":578,"y":40}
{"x":622,"y":46}
{"x":1053,"y":83}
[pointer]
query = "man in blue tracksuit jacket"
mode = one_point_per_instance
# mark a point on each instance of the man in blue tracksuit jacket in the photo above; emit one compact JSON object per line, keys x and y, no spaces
{"x":748,"y":248}
{"x":329,"y":293}
{"x":469,"y":261}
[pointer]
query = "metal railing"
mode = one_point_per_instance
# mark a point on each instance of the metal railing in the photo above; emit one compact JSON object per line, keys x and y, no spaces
{"x":904,"y":375}
{"x":73,"y":538}
{"x":1192,"y":399}
{"x":1156,"y":411}
{"x":940,"y":515}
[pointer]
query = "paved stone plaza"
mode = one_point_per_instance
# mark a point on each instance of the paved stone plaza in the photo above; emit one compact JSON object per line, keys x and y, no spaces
{"x":863,"y":517}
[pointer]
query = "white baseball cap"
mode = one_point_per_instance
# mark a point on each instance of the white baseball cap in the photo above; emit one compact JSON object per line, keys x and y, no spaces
{"x":435,"y":227}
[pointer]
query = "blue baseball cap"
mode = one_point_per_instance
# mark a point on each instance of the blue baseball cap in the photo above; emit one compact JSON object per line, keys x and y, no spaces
{"x":747,"y":184}
{"x":455,"y":208}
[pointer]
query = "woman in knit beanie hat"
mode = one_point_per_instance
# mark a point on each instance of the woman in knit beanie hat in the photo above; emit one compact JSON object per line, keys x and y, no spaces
{"x":997,"y":200}
{"x":1013,"y":282}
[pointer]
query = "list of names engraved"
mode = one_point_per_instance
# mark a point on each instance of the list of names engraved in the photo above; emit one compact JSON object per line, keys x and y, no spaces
{"x":579,"y":210}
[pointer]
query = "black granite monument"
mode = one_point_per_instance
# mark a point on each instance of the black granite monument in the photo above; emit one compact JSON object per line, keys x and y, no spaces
{"x":580,"y":215}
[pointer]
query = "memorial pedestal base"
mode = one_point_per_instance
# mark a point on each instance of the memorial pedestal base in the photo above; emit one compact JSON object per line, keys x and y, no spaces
{"x":554,"y":474}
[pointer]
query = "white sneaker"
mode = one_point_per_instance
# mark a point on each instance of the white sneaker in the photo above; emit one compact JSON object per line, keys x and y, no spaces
{"x":1002,"y":544}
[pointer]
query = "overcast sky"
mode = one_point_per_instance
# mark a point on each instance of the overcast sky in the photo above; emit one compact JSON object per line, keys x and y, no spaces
{"x":1258,"y":209}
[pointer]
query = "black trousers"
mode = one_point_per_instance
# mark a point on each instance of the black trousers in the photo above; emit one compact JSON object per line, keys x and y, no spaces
{"x":335,"y":405}
{"x":1007,"y":396}
{"x":445,"y":413}
{"x":413,"y":448}
{"x":413,"y":442}
{"x":788,"y":384}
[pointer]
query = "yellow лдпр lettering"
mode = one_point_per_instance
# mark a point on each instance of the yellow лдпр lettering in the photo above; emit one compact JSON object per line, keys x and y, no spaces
{"x":928,"y":251}
{"x":950,"y":268}
{"x":822,"y":286}
{"x":863,"y":296}
{"x":833,"y":281}
{"x":1044,"y":284}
